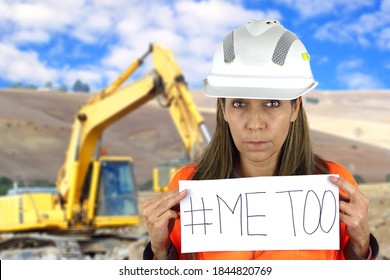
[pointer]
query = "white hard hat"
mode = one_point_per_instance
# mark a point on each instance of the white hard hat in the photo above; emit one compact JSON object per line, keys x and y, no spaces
{"x":263,"y":60}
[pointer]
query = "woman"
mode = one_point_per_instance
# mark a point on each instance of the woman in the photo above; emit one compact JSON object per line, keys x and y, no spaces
{"x":259,"y":75}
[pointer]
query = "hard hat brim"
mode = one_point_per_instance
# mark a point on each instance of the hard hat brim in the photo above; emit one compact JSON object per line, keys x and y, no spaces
{"x":256,"y":92}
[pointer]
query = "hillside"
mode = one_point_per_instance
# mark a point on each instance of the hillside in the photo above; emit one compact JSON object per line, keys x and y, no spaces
{"x":35,"y":129}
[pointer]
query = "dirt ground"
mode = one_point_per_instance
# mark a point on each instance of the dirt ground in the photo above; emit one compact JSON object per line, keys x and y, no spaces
{"x":379,"y":215}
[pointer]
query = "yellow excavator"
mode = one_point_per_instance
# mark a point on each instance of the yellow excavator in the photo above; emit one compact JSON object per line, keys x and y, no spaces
{"x":95,"y":191}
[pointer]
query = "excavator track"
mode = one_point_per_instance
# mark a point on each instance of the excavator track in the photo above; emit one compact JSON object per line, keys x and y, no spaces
{"x":33,"y":247}
{"x":69,"y":249}
{"x":55,"y":247}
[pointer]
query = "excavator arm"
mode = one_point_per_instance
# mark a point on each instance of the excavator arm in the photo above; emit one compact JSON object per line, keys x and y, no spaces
{"x":184,"y":113}
{"x":165,"y":81}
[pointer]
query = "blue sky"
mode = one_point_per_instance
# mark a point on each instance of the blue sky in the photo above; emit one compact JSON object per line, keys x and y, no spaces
{"x":95,"y":40}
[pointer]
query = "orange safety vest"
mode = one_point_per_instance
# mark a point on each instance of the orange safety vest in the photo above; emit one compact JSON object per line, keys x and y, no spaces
{"x":187,"y":173}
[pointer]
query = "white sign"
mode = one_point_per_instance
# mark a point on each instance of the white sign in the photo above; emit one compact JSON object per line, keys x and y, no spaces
{"x":260,"y":213}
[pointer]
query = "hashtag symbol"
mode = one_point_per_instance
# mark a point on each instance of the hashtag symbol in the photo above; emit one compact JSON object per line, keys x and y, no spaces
{"x":202,"y":211}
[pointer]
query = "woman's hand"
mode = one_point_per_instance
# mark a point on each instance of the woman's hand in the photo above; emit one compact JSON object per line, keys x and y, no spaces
{"x":354,"y":214}
{"x":159,"y":214}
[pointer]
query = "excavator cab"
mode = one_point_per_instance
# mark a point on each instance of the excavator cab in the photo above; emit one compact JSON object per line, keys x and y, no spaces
{"x":162,"y":175}
{"x":117,"y":194}
{"x":165,"y":171}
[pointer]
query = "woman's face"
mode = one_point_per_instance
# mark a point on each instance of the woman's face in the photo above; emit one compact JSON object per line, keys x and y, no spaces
{"x":259,"y":127}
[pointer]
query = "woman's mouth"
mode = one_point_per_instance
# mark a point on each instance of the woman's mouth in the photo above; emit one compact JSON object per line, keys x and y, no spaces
{"x":257,"y":143}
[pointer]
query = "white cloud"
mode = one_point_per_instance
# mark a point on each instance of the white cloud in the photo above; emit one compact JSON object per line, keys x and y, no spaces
{"x":368,"y":29}
{"x":93,"y":27}
{"x":196,"y":69}
{"x":350,"y":65}
{"x":25,"y":66}
{"x":202,"y":46}
{"x":16,"y":65}
{"x":216,"y":17}
{"x":116,"y":58}
{"x":322,"y":60}
{"x":81,"y":19}
{"x":184,"y":19}
{"x":314,"y":8}
{"x":31,"y":36}
{"x":57,"y":49}
{"x":384,"y":39}
{"x":351,"y":75}
{"x":191,"y":29}
{"x":37,"y":16}
{"x":31,"y":14}
{"x":92,"y":76}
{"x":360,"y":80}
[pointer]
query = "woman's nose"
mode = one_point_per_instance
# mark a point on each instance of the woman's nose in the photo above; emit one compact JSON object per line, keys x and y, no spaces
{"x":256,"y":119}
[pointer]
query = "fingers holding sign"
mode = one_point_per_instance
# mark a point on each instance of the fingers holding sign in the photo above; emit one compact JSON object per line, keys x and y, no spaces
{"x":159,"y":212}
{"x":354,"y":214}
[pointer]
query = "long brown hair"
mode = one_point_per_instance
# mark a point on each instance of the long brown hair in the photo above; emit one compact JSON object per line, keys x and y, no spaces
{"x":221,"y":155}
{"x":296,"y":157}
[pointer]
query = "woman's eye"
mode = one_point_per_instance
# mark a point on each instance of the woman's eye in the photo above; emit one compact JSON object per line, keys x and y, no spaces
{"x":239,"y":103}
{"x":272,"y":103}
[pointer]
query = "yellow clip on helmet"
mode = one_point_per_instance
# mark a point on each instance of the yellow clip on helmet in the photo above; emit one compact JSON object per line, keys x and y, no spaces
{"x":263,"y":60}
